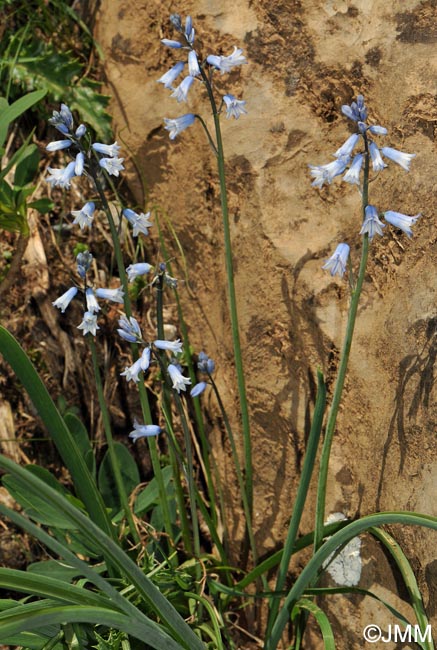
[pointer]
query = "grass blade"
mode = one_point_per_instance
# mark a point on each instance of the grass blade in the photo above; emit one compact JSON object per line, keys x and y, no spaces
{"x":34,"y":615}
{"x":45,"y":587}
{"x":145,"y":587}
{"x":321,"y":618}
{"x":65,"y":443}
{"x":310,"y":572}
{"x":409,"y":579}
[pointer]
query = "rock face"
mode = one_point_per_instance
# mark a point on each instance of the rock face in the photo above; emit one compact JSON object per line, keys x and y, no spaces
{"x":306,"y":59}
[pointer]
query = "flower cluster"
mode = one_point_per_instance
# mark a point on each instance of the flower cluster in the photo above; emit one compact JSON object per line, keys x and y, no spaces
{"x":357,"y":112}
{"x":196,"y":72}
{"x":343,"y":160}
{"x":82,"y":155}
{"x":89,"y":322}
{"x":129,"y":330}
{"x":91,"y":158}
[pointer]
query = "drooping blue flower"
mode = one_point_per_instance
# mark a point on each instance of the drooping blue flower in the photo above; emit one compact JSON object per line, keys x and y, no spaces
{"x":58,"y":145}
{"x":336,"y":264}
{"x":176,"y":21}
{"x":169,"y":43}
{"x":61,"y":177}
{"x":181,"y":92}
{"x":399,"y":157}
{"x":178,"y":124}
{"x":134,"y":270}
{"x":326,"y":173}
{"x":80,"y":131}
{"x":91,"y":302}
{"x":377,"y":130}
{"x":129,"y":329}
{"x":112,"y":165}
{"x":198,"y":389}
{"x":371,"y":224}
{"x":115,"y":295}
{"x":226,"y":63}
{"x":193,"y":64}
{"x":84,"y":218}
{"x":139,"y":222}
{"x":79,"y":164}
{"x":189,"y":30}
{"x":377,"y":162}
{"x":353,"y":173}
{"x":89,"y":324}
{"x":110,"y":150}
{"x":170,"y":77}
{"x":132,"y":373}
{"x":63,"y":301}
{"x":179,"y":381}
{"x":234,"y":106}
{"x":145,"y":359}
{"x":347,"y":148}
{"x":173,"y":346}
{"x":401,"y":221}
{"x":144,"y":431}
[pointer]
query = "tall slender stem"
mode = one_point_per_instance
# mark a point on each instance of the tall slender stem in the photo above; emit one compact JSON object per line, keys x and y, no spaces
{"x":110,"y":442}
{"x":166,"y":409}
{"x":247,"y":443}
{"x":341,"y":375}
{"x":144,"y":400}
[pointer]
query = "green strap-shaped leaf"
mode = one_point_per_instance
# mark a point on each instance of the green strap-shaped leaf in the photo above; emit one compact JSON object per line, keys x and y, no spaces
{"x":343,"y":536}
{"x":65,"y":443}
{"x":145,"y":588}
{"x":409,"y":579}
{"x":321,"y":618}
{"x":46,"y":587}
{"x":16,"y":109}
{"x":32,"y":616}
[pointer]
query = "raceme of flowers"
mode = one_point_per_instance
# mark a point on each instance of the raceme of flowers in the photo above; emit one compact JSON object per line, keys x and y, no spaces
{"x":77,"y":144}
{"x":130,"y":331}
{"x":88,"y":158}
{"x":349,"y":162}
{"x":198,"y":72}
{"x":89,"y":322}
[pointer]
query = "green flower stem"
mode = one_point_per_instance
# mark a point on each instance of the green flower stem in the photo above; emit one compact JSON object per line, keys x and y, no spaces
{"x":339,"y":384}
{"x":177,"y":464}
{"x":247,"y":443}
{"x":144,"y":400}
{"x":110,"y":442}
{"x":188,"y":469}
{"x":190,"y":481}
{"x":166,"y":409}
